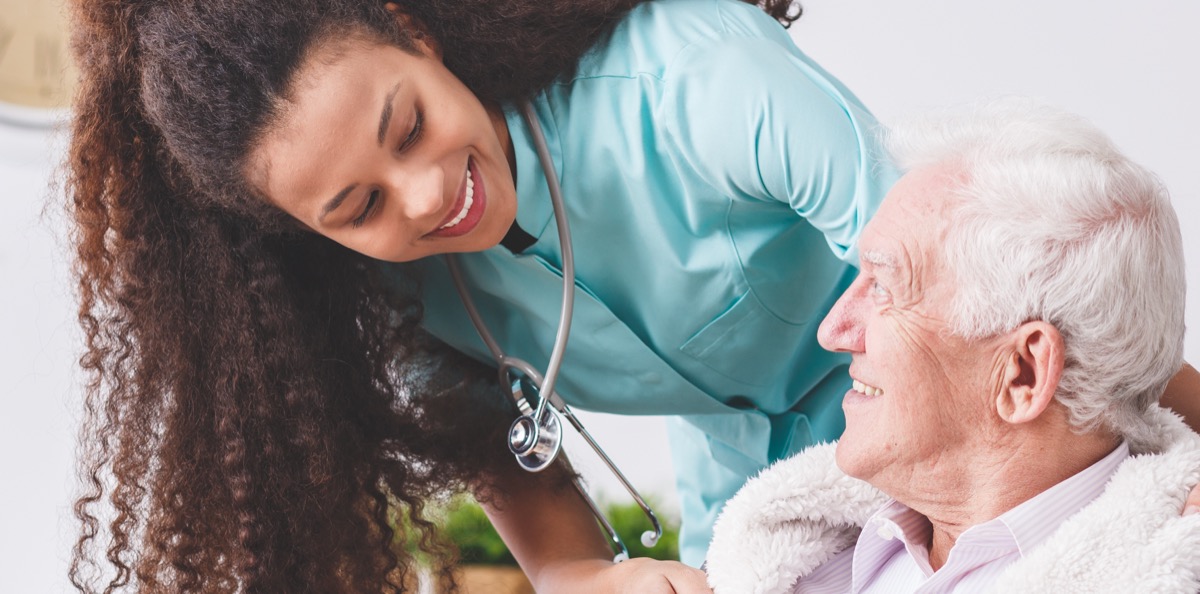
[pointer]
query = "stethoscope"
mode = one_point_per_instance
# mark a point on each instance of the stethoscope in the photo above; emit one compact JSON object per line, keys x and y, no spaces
{"x":535,"y":437}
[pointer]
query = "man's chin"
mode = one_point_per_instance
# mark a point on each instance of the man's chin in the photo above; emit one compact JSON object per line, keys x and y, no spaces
{"x":853,"y":461}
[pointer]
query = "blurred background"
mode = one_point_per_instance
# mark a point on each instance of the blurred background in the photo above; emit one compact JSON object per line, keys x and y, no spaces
{"x":1123,"y":65}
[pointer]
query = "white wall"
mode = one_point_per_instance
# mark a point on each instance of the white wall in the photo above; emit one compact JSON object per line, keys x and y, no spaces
{"x":1130,"y":67}
{"x":38,"y":347}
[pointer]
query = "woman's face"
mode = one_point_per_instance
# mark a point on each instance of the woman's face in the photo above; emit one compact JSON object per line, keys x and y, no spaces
{"x":388,"y":154}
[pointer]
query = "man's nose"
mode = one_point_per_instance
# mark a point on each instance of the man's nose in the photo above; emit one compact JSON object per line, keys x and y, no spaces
{"x":842,"y":330}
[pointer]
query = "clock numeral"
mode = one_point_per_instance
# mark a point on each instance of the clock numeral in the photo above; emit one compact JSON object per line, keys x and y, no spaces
{"x":47,"y":60}
{"x":47,"y":64}
{"x":6,"y":36}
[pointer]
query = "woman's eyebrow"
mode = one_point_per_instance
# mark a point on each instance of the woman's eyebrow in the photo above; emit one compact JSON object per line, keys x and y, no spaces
{"x":385,"y":117}
{"x":335,"y":202}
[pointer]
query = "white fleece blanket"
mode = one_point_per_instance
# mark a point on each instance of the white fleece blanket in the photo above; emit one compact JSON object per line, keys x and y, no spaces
{"x":800,"y":512}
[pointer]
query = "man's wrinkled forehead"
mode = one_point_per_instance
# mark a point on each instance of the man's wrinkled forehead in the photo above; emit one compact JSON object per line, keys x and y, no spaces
{"x":905,"y":240}
{"x":923,"y":197}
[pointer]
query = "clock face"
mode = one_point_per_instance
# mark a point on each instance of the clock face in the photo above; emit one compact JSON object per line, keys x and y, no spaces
{"x":35,"y":73}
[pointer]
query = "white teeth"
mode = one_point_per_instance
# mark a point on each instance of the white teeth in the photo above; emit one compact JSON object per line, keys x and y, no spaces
{"x":470,"y":199}
{"x":865,"y":389}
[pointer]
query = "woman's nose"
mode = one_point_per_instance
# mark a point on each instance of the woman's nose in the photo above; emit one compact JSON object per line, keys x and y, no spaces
{"x":842,"y":330}
{"x":421,"y":192}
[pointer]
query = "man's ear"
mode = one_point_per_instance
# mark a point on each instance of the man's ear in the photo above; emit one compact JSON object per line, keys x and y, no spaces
{"x":425,"y":42}
{"x":1032,"y":372}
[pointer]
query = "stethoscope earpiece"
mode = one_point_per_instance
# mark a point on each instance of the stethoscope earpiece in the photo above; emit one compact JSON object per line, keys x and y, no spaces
{"x":650,"y":538}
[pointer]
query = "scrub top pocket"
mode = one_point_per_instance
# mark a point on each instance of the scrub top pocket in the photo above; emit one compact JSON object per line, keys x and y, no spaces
{"x":724,"y":344}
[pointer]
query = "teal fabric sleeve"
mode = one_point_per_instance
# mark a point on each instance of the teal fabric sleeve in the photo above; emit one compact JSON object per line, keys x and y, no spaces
{"x":757,"y":121}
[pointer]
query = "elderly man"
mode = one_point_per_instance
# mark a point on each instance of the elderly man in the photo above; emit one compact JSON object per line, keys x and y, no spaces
{"x":1017,"y":316}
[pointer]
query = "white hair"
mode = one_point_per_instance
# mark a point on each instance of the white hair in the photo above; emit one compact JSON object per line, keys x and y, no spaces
{"x":1053,"y":223}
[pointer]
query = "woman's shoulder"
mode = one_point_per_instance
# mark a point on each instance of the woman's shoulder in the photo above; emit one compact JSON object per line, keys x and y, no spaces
{"x":655,"y":33}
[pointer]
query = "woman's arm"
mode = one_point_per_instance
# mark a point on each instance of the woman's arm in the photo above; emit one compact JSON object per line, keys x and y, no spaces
{"x":546,"y":525}
{"x":559,"y":545}
{"x":1183,"y":396}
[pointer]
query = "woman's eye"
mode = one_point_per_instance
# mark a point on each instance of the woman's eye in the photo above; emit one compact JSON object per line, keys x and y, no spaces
{"x":415,"y":133}
{"x":371,"y":201}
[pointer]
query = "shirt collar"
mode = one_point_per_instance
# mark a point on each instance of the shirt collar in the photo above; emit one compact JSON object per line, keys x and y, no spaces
{"x":1033,"y":521}
{"x":896,"y":526}
{"x":893,"y":527}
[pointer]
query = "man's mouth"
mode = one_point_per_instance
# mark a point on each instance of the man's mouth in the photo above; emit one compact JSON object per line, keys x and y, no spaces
{"x":867,"y":390}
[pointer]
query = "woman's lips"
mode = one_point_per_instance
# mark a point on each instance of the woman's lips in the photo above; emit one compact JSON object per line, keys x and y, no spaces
{"x":468,"y":209}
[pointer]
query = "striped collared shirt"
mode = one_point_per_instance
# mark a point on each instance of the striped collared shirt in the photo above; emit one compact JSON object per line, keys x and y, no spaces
{"x":891,"y":554}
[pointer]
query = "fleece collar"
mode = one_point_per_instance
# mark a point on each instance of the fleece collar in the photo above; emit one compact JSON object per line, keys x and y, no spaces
{"x":803,"y":510}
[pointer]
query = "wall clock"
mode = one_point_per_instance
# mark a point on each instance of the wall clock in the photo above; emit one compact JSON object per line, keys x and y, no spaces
{"x":36,"y":78}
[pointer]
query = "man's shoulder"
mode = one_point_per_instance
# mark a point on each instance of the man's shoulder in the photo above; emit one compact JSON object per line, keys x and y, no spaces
{"x":1132,"y":537}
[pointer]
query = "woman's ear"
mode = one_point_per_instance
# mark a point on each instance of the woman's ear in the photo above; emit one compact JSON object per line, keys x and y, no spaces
{"x":1032,"y":372}
{"x":425,"y":42}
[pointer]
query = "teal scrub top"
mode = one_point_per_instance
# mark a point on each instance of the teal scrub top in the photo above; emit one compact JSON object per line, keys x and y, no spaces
{"x":716,"y":181}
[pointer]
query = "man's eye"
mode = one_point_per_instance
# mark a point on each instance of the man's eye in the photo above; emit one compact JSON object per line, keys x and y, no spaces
{"x":371,"y":201}
{"x":415,"y":133}
{"x":878,"y":290}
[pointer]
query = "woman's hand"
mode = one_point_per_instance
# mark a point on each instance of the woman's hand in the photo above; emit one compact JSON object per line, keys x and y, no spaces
{"x":559,"y":545}
{"x":635,"y":576}
{"x":1183,"y":396}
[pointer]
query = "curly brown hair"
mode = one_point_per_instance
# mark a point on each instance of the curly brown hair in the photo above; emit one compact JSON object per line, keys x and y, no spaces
{"x":260,"y":404}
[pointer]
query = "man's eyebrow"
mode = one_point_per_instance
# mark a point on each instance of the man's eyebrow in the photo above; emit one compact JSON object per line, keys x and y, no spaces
{"x":336,"y":201}
{"x":879,"y":259}
{"x":385,"y":117}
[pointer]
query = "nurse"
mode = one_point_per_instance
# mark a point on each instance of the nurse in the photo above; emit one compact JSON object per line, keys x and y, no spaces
{"x":715,"y":180}
{"x":261,"y":191}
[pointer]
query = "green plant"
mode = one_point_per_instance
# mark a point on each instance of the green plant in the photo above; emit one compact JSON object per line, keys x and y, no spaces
{"x":463,"y":522}
{"x":468,"y":527}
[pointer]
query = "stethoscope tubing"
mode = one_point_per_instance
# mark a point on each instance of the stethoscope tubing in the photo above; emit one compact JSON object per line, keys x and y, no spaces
{"x":545,"y":385}
{"x":568,"y":256}
{"x":649,"y":538}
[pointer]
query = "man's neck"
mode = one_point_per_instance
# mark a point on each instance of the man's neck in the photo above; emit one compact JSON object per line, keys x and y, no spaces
{"x":983,"y":487}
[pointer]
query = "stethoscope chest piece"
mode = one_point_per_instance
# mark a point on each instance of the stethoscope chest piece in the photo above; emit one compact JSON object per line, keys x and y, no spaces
{"x":534,"y":442}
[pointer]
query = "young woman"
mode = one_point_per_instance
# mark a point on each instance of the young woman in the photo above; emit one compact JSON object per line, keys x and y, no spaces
{"x":259,"y":190}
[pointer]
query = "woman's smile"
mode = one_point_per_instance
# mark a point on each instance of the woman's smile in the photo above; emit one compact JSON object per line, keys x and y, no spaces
{"x":468,"y":209}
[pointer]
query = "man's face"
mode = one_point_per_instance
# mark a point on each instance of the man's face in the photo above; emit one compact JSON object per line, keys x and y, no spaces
{"x":921,"y":396}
